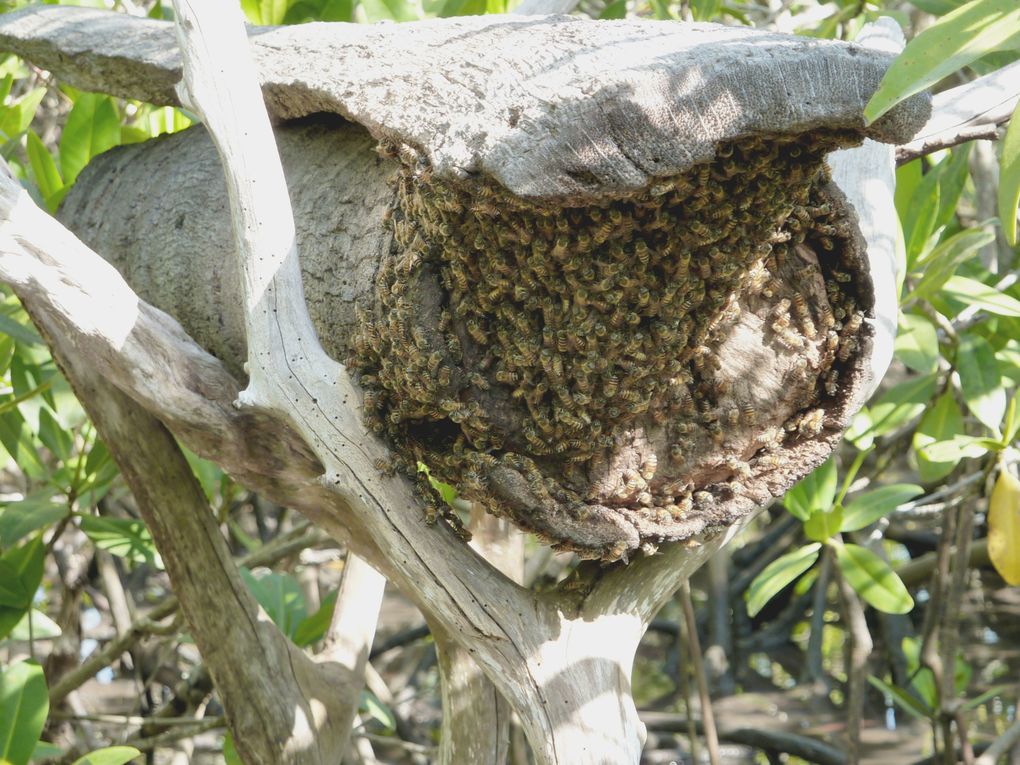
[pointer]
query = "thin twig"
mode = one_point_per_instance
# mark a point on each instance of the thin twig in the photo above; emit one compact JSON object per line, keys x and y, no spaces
{"x":998,"y":748}
{"x":711,"y":736}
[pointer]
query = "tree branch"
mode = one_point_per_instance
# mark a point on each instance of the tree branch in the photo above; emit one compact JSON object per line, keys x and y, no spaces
{"x":968,"y":112}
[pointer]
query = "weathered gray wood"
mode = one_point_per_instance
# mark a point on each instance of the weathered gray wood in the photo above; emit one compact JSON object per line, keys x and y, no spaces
{"x":158,"y":212}
{"x":298,"y":714}
{"x":549,"y":106}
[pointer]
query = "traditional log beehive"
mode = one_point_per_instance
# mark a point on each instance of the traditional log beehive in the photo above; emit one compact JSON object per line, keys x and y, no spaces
{"x":615,"y":295}
{"x":636,"y":367}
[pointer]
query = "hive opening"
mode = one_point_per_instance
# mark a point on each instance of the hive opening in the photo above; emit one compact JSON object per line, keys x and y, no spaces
{"x":621,"y":373}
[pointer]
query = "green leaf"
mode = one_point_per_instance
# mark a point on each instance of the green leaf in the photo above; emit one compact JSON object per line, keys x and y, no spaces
{"x":919,"y":222}
{"x":12,"y":590}
{"x":615,"y":10}
{"x":388,"y":10}
{"x":123,"y":537}
{"x":111,"y":755}
{"x":44,"y":169}
{"x":823,"y":524}
{"x":940,"y":423}
{"x":230,"y":756}
{"x":312,"y":629}
{"x":23,"y":333}
{"x":873,"y":580}
{"x":960,"y":447}
{"x":462,"y":8}
{"x":18,"y":440}
{"x":955,"y":40}
{"x":980,"y":381}
{"x":936,"y":268}
{"x":1009,"y":363}
{"x":901,"y":404}
{"x":21,"y":518}
{"x":54,"y":436}
{"x":24,"y":704}
{"x":937,"y":7}
{"x":778,"y":575}
{"x":92,"y":127}
{"x":917,"y":344}
{"x":44,"y":750}
{"x":6,"y":353}
{"x":973,"y":292}
{"x":378,"y":711}
{"x":867,"y":507}
{"x":27,"y":563}
{"x":17,"y":117}
{"x":43,"y":627}
{"x":814,"y":492}
{"x":1009,"y":177}
{"x":280,"y":596}
{"x":903,"y":699}
{"x":253,"y":10}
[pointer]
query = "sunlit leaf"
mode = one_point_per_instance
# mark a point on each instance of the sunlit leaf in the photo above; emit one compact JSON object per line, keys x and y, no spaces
{"x":281,"y":597}
{"x":873,"y":580}
{"x":19,"y":519}
{"x":778,"y":574}
{"x":92,"y":127}
{"x":980,"y":381}
{"x":111,"y":755}
{"x":123,"y":537}
{"x":823,"y":524}
{"x":942,"y":262}
{"x":959,"y":447}
{"x":919,"y":222}
{"x":901,"y":404}
{"x":44,"y":169}
{"x":1009,"y":177}
{"x":917,"y":344}
{"x":1004,"y":527}
{"x":374,"y":708}
{"x":903,"y":699}
{"x":42,"y":627}
{"x":973,"y":292}
{"x":868,"y":506}
{"x":815,"y":491}
{"x":940,"y":423}
{"x":24,"y":704}
{"x":955,"y":40}
{"x":312,"y":628}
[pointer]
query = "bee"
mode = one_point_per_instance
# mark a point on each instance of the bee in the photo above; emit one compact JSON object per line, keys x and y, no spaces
{"x":847,"y":348}
{"x":477,"y":333}
{"x":832,"y":382}
{"x":811,"y":423}
{"x":642,"y":252}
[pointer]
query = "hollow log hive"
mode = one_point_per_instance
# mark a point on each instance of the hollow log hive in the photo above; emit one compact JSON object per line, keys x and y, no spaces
{"x":644,"y":361}
{"x":616,"y":296}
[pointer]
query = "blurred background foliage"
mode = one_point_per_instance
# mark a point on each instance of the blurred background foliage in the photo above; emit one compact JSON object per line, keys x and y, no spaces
{"x":906,"y":542}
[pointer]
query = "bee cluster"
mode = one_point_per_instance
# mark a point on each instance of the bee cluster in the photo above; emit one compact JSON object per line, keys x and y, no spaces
{"x":534,"y":336}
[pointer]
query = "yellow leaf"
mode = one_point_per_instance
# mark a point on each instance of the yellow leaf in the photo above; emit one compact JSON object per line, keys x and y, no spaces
{"x":1004,"y":527}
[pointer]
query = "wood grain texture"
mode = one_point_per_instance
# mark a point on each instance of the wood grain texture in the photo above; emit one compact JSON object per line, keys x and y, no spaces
{"x":550,"y":106}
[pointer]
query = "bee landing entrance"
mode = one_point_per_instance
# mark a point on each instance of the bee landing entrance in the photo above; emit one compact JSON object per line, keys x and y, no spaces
{"x":630,"y":371}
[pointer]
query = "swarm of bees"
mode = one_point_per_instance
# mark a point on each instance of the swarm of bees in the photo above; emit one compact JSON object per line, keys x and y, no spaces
{"x":535,"y":336}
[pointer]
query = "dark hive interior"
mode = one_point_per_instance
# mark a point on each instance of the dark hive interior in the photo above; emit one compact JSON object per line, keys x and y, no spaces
{"x":615,"y":375}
